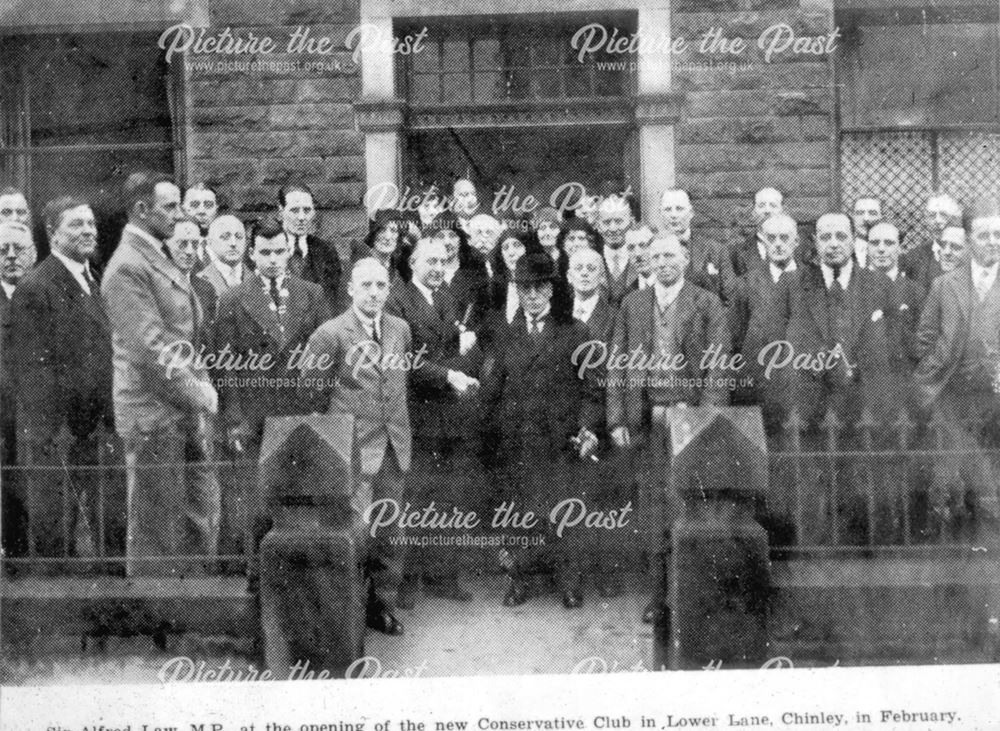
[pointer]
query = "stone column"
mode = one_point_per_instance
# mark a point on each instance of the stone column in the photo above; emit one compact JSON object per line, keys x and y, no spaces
{"x":657,"y":109}
{"x":379,"y":112}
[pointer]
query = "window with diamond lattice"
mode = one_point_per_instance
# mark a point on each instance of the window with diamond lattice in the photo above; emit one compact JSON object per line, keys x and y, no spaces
{"x":496,"y":60}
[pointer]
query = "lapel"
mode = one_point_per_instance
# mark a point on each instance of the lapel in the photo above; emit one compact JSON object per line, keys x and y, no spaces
{"x":258,"y":306}
{"x":685,"y":312}
{"x":156,"y":260}
{"x":859,"y":279}
{"x":295,"y":308}
{"x":212,"y":275}
{"x":357,"y":333}
{"x":74,"y":294}
{"x":814,"y":293}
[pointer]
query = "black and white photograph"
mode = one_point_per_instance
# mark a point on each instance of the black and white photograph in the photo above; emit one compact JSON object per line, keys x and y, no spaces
{"x":413,"y":339}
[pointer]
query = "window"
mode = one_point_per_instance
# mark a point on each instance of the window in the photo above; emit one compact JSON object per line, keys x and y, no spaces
{"x":78,"y":113}
{"x":506,"y":59}
{"x":920,"y":67}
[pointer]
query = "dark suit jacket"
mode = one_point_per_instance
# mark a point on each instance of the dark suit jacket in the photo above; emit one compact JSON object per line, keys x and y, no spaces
{"x":436,"y":411}
{"x":943,"y":334}
{"x":602,"y":319}
{"x":321,"y":266}
{"x":8,"y":400}
{"x":908,"y":298}
{"x":61,"y":353}
{"x":619,"y":289}
{"x":701,"y":323}
{"x":534,"y":396}
{"x":920,"y":266}
{"x":710,"y":267}
{"x":470,"y":289}
{"x":247,"y":324}
{"x":799,"y":315}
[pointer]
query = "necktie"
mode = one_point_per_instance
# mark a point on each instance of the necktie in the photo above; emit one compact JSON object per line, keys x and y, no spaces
{"x":578,"y":311}
{"x":89,"y":279}
{"x":535,"y":326}
{"x":375,"y":335}
{"x":275,"y":293}
{"x":982,"y":284}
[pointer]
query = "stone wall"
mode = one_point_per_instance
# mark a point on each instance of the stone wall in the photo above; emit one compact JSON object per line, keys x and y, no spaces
{"x":250,"y":131}
{"x":747,"y":123}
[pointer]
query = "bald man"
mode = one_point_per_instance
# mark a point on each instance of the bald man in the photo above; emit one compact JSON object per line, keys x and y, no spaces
{"x":227,"y":245}
{"x":672,"y":322}
{"x":709,"y":264}
{"x":358,"y":343}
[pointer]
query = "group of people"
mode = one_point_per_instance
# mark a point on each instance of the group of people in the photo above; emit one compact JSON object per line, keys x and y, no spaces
{"x":484,"y":360}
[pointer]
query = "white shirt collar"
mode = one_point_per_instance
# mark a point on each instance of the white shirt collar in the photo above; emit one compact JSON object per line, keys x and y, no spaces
{"x":8,"y":288}
{"x":299,"y":243}
{"x":776,"y":272}
{"x":371,"y":324}
{"x":936,"y":250}
{"x":616,"y":259}
{"x":646,"y":280}
{"x":665,"y":295}
{"x":512,"y":302}
{"x":538,"y":318}
{"x":845,"y":274}
{"x":425,"y":291}
{"x":861,"y":252}
{"x":232,"y":274}
{"x":583,"y":309}
{"x":76,"y":268}
{"x":280,"y":280}
{"x":893,"y":273}
{"x":986,"y":275}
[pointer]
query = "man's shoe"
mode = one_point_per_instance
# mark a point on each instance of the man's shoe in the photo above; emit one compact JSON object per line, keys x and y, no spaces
{"x":572,"y":599}
{"x":517,"y":594}
{"x":383,"y":621}
{"x":449,"y":589}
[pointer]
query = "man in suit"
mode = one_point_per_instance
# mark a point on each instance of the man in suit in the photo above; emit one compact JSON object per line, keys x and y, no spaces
{"x":17,"y":256}
{"x":867,"y":211}
{"x":14,"y":206}
{"x":958,"y":341}
{"x":546,"y":410}
{"x":164,"y":399}
{"x":752,"y":296}
{"x":750,"y":253}
{"x":313,"y":259}
{"x":614,"y":217}
{"x":884,"y":250}
{"x":709,"y":267}
{"x":464,"y":201}
{"x":672,"y":326}
{"x":227,"y":244}
{"x":835,"y":311}
{"x":269,"y":315}
{"x":607,"y":483}
{"x":186,"y":235}
{"x":828,"y":353}
{"x":444,"y":414}
{"x":921,"y":263}
{"x":368,"y":379}
{"x":271,"y":312}
{"x":637,"y":241}
{"x":201,"y":204}
{"x":61,"y":363}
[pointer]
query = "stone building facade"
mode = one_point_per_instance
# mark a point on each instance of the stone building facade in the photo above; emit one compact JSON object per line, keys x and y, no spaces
{"x":498,"y":91}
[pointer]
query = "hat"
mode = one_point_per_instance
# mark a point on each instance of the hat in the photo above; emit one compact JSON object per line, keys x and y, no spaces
{"x":534,"y":269}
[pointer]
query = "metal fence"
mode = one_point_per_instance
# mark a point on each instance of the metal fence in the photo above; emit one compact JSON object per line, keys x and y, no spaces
{"x":904,"y":166}
{"x":833,"y":486}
